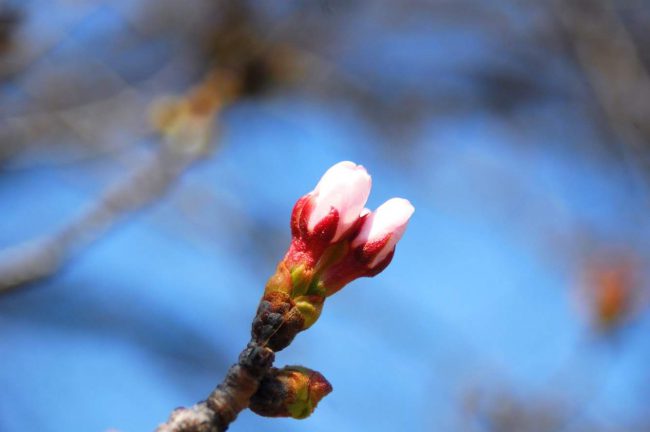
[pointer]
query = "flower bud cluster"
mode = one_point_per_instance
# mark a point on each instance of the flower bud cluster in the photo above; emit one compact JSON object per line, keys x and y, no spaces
{"x":335,"y":239}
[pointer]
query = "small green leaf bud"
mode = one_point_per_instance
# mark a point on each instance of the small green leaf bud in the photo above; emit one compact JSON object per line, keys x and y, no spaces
{"x":293,"y":391}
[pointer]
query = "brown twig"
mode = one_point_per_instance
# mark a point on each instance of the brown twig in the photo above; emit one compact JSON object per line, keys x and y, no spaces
{"x":275,"y":325}
{"x":229,"y":398}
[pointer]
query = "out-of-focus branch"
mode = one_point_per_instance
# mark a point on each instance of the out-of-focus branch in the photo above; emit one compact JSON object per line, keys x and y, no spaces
{"x":247,"y":66}
{"x":185,"y":125}
{"x":610,"y":60}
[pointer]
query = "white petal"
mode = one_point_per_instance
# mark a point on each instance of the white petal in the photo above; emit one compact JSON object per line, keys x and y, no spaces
{"x":390,"y":218}
{"x":346,"y":187}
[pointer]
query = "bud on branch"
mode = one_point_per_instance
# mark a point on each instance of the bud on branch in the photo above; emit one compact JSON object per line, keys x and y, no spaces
{"x":372,"y":249}
{"x":292,"y":391}
{"x":329,"y":212}
{"x":335,"y":240}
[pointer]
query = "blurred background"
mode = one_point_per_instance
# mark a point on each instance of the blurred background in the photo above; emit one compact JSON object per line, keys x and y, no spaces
{"x":151,"y":152}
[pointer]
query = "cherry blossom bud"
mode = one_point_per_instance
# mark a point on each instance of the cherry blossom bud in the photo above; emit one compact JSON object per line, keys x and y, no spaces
{"x":344,"y":187}
{"x":335,"y":240}
{"x":329,"y":212}
{"x":371,"y":250}
{"x":292,"y":391}
{"x":382,"y":229}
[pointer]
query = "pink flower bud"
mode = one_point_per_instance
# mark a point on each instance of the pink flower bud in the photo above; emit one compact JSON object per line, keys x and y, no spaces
{"x":344,"y":187}
{"x":372,"y":248}
{"x":329,"y":212}
{"x":382,"y":229}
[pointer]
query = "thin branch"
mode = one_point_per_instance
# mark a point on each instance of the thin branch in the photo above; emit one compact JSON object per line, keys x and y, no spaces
{"x":41,"y":257}
{"x":186,"y":126}
{"x":229,"y":398}
{"x":274,"y":327}
{"x":607,"y":53}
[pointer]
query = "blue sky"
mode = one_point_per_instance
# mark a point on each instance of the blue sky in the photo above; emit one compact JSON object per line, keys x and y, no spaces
{"x":480,"y":292}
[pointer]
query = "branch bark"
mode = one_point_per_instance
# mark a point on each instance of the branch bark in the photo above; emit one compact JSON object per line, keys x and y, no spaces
{"x":273,"y":328}
{"x":229,"y":398}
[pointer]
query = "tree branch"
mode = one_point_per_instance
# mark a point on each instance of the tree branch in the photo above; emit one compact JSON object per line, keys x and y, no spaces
{"x":273,"y":328}
{"x":229,"y":398}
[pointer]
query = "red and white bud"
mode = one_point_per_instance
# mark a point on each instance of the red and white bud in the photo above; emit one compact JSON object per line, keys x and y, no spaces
{"x":344,"y":187}
{"x":372,"y":248}
{"x":383,"y":228}
{"x":335,"y":240}
{"x":329,"y":212}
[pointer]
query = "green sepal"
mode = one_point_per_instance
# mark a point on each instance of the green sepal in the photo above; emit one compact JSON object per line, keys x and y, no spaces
{"x":310,"y":307}
{"x":300,"y":280}
{"x":303,"y":407}
{"x":316,"y":288}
